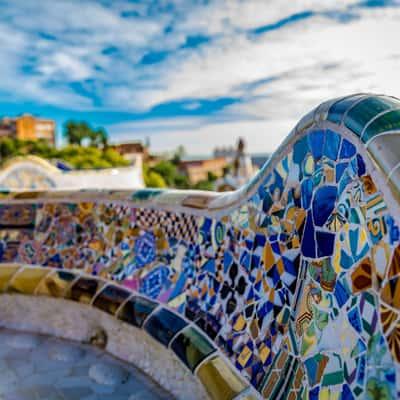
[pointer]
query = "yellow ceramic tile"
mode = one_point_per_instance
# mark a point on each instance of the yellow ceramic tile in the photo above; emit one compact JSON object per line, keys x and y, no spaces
{"x":55,"y":284}
{"x":7,"y":271}
{"x":264,"y":353}
{"x":239,"y":324}
{"x":220,"y":381}
{"x":27,"y":280}
{"x":244,"y":356}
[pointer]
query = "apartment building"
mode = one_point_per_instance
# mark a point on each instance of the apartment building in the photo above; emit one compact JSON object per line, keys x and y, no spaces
{"x":28,"y":127}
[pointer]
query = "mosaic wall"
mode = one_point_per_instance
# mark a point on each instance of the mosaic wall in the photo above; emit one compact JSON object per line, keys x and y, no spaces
{"x":298,"y":286}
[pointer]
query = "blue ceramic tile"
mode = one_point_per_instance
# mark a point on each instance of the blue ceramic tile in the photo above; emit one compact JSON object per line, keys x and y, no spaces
{"x":323,"y":204}
{"x":347,"y":150}
{"x":316,"y":143}
{"x":163,"y":325}
{"x":332,"y":145}
{"x":155,"y":281}
{"x":360,"y":165}
{"x":308,"y":246}
{"x":306,"y":192}
{"x":300,"y":149}
{"x":340,"y":168}
{"x":341,"y":294}
{"x":136,"y":310}
{"x":325,"y":243}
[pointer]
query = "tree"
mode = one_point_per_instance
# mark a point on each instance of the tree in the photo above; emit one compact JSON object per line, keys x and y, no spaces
{"x":180,"y":152}
{"x":98,"y":138}
{"x":91,"y":157}
{"x":211,"y":177}
{"x":154,"y":180}
{"x":7,"y":148}
{"x":167,"y":170}
{"x":75,"y":132}
{"x":78,"y":132}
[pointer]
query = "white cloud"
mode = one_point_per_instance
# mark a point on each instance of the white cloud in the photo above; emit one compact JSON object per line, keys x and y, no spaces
{"x":364,"y":45}
{"x":315,"y":60}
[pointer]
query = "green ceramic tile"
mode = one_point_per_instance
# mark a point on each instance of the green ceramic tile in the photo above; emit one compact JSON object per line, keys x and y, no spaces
{"x":338,"y":109}
{"x":192,"y":347}
{"x":136,"y":310}
{"x":163,"y":325}
{"x":365,"y":110}
{"x":389,"y":121}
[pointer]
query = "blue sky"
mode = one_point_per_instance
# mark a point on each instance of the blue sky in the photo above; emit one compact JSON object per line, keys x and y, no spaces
{"x":195,"y":72}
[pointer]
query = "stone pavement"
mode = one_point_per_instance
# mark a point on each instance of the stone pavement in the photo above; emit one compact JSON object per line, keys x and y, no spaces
{"x":34,"y":367}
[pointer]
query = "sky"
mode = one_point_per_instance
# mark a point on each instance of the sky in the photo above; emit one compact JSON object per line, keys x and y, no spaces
{"x":197,"y":73}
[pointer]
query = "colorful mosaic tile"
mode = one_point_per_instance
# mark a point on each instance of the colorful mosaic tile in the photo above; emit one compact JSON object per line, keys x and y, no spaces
{"x":295,"y":279}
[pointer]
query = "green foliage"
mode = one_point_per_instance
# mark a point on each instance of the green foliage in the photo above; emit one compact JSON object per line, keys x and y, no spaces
{"x":211,"y":177}
{"x":91,"y":157}
{"x":204,"y":185}
{"x":77,"y":156}
{"x":78,"y":132}
{"x":7,"y":148}
{"x":154,"y":180}
{"x":168,"y":171}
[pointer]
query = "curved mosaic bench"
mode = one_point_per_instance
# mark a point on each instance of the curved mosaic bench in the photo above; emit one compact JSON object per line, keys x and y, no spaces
{"x":287,"y":288}
{"x":35,"y":173}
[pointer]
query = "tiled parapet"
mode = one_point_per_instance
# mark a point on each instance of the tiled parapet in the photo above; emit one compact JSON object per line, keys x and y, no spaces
{"x":287,"y":288}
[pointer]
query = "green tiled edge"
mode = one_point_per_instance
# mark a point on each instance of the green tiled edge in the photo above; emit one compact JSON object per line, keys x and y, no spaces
{"x":359,"y":115}
{"x":389,"y":121}
{"x":339,"y":108}
{"x":80,"y":288}
{"x":198,"y":347}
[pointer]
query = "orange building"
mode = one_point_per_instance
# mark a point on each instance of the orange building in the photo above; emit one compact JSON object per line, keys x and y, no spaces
{"x":197,"y":170}
{"x":27,"y":127}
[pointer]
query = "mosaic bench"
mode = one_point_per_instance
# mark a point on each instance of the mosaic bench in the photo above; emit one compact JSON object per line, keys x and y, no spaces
{"x":35,"y":173}
{"x":288,"y":288}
